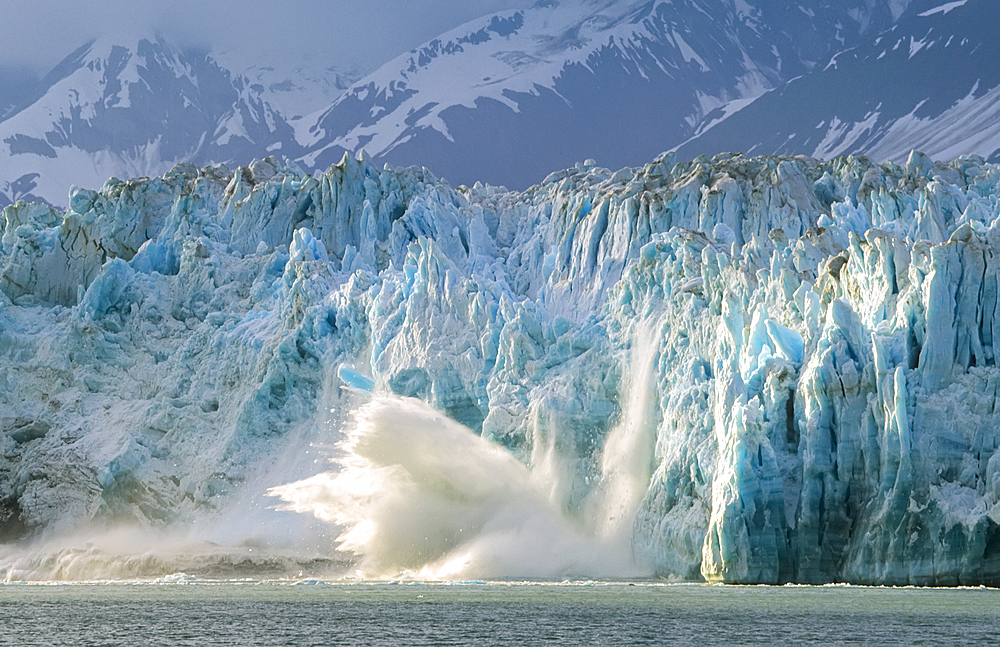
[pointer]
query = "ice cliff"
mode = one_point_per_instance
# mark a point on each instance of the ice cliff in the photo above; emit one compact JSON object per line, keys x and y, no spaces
{"x":778,"y":369}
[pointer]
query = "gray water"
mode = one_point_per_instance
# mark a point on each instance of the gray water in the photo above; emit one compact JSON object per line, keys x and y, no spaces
{"x":205,"y":614}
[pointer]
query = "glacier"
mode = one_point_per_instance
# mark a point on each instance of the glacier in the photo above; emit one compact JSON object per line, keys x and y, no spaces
{"x":732,"y":369}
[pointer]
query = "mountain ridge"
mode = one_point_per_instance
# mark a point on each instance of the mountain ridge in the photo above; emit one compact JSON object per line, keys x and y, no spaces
{"x":936,"y":85}
{"x":670,"y":62}
{"x":111,"y":110}
{"x":617,"y":82}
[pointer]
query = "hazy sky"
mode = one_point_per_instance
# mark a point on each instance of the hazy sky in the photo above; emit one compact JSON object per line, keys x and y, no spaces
{"x":358,"y":33}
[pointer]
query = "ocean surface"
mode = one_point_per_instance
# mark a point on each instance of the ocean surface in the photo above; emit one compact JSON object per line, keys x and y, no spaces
{"x":248,"y":613}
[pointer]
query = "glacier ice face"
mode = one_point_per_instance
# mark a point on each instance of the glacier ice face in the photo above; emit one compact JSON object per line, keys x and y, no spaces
{"x":766,"y":369}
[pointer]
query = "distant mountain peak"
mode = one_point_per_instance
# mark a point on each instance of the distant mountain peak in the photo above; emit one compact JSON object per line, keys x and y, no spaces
{"x":135,"y":109}
{"x":628,"y":78}
{"x":931,"y":82}
{"x":506,"y":98}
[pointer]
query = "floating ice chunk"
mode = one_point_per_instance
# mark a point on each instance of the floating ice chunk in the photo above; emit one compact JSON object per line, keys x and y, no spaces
{"x":176,"y":578}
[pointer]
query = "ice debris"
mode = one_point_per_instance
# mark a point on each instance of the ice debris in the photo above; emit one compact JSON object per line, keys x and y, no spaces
{"x":820,"y":404}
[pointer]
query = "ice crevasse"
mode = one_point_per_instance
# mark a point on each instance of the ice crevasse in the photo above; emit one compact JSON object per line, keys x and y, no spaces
{"x":805,"y":351}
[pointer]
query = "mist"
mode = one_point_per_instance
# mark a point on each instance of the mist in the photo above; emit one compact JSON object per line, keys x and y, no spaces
{"x":354,"y":34}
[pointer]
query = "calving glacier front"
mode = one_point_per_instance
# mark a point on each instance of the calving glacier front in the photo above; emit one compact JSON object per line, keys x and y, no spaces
{"x":747,"y":370}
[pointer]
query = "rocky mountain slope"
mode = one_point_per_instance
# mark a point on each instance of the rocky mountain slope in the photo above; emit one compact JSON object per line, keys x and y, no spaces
{"x":132,"y":111}
{"x":512,"y":97}
{"x":930,"y":83}
{"x":504,"y":99}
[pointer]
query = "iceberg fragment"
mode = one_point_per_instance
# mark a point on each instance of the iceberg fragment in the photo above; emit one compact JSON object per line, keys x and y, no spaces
{"x":355,"y":380}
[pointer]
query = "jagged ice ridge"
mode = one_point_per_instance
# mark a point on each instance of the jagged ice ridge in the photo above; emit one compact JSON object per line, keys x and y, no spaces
{"x":805,"y":352}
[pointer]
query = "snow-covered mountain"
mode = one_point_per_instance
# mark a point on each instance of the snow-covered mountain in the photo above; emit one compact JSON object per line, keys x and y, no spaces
{"x":505,"y":99}
{"x":131,"y":111}
{"x":931,"y":83}
{"x":17,"y":86}
{"x":297,"y":89}
{"x":514,"y":96}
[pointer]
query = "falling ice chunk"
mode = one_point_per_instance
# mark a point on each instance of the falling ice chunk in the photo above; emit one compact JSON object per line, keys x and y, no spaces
{"x":354,"y":380}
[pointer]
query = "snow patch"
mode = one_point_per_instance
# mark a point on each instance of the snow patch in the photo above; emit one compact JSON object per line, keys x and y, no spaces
{"x":943,"y":9}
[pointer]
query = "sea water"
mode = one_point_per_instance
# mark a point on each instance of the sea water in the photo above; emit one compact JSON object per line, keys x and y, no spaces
{"x":181,"y":612}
